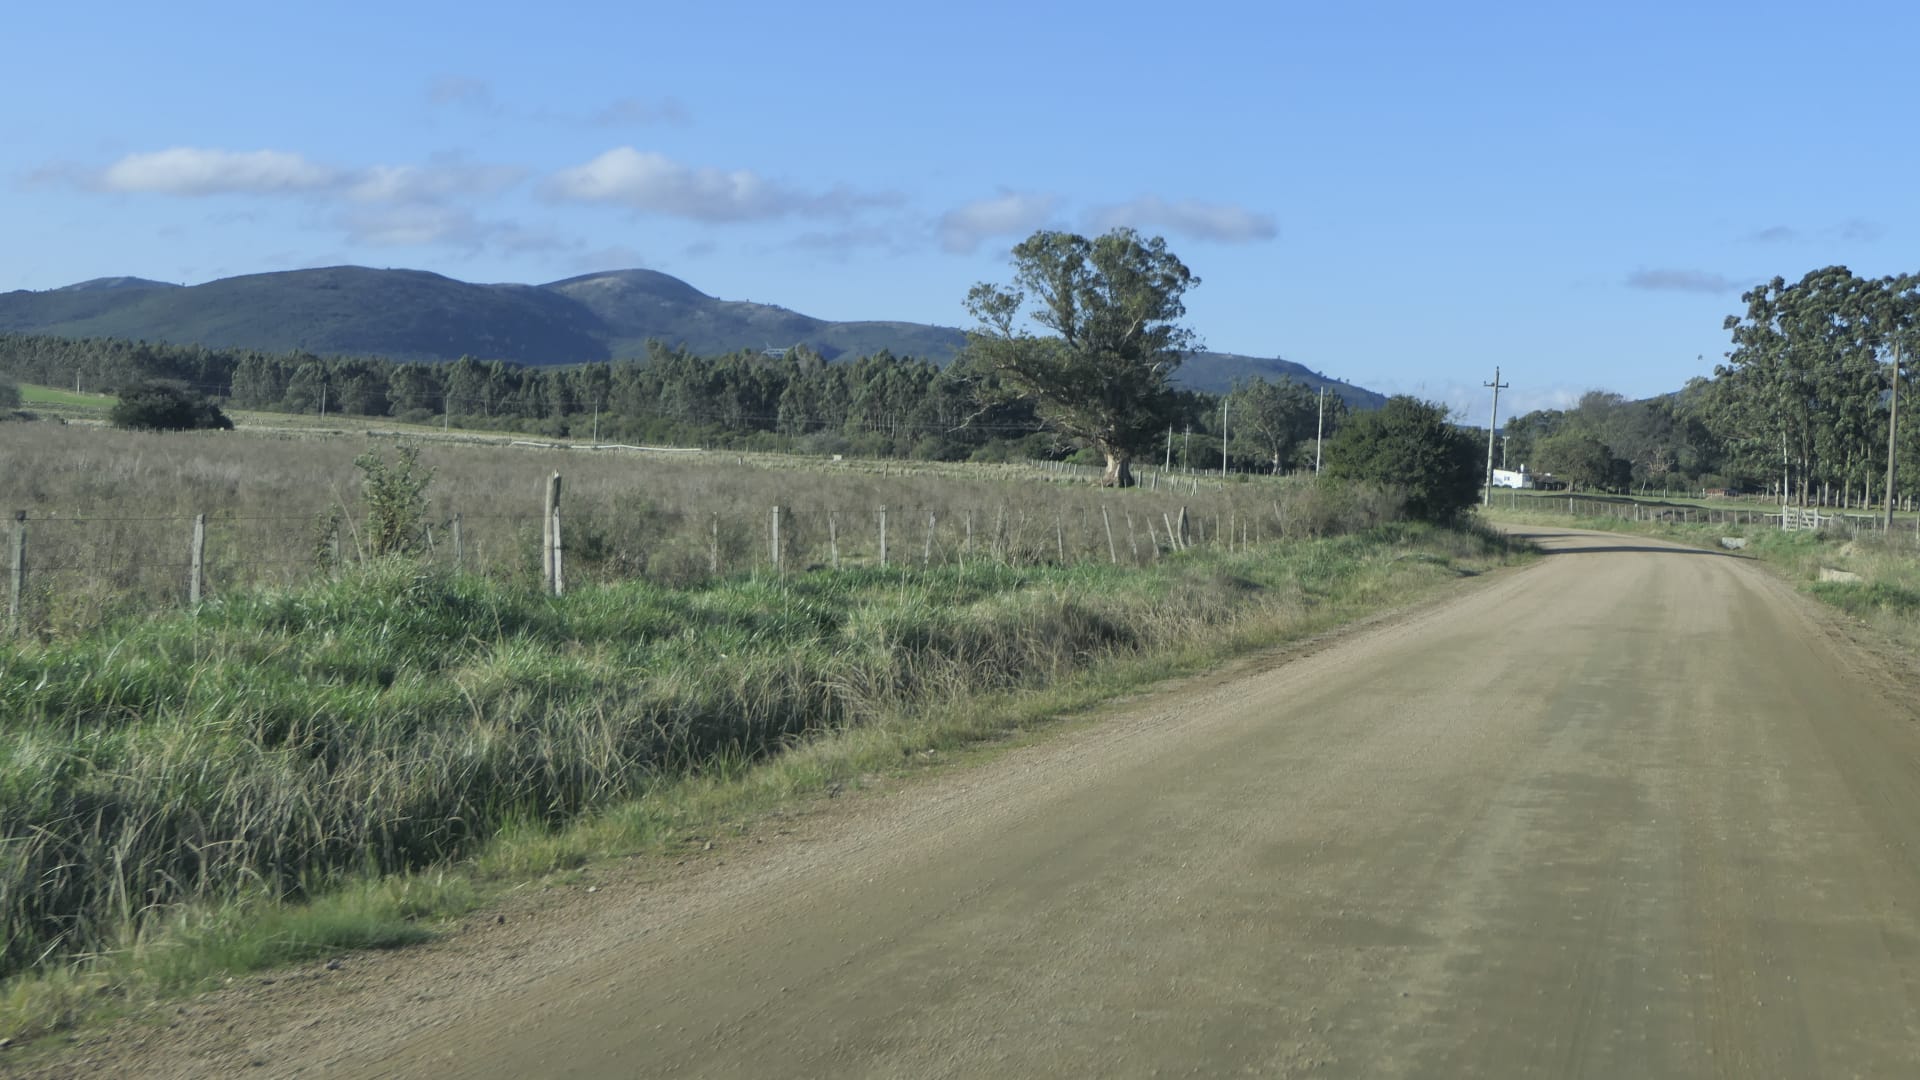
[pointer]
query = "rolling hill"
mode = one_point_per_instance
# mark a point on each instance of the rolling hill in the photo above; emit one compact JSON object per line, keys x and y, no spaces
{"x":416,"y":315}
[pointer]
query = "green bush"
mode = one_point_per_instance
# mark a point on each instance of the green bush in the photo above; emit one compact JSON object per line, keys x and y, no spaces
{"x":165,"y":405}
{"x":1411,"y":446}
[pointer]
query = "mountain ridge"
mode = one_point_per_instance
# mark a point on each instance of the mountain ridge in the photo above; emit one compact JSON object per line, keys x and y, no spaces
{"x":419,"y":315}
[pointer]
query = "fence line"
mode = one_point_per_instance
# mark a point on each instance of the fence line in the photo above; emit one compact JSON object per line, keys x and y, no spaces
{"x":1788,"y":518}
{"x":96,"y":567}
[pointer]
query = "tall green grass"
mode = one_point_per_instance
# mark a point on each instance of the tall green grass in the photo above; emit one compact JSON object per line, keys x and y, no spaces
{"x":276,"y":746}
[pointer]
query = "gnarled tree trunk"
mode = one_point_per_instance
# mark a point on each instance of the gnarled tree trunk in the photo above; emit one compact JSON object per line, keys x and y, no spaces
{"x":1119,"y":472}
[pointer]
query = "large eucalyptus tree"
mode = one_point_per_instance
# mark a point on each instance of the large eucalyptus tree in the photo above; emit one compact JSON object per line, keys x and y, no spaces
{"x":1101,"y":376}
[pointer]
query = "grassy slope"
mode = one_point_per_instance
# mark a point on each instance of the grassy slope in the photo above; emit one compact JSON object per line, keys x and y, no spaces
{"x":386,"y":750}
{"x":40,"y":396}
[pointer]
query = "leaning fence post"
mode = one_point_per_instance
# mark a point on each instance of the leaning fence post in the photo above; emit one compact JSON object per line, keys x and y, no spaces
{"x":19,"y":575}
{"x":1113,"y":552}
{"x":1060,"y":539}
{"x":196,"y":558}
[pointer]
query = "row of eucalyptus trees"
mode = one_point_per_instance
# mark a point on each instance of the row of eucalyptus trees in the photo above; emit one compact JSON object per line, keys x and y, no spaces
{"x":1811,"y":391}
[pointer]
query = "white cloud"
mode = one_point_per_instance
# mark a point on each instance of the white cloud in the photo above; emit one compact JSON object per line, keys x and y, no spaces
{"x":1223,"y":222}
{"x":653,"y":182}
{"x":186,"y":170}
{"x":1011,"y":213}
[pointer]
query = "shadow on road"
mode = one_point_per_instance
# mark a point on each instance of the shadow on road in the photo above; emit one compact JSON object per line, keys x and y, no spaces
{"x":1622,"y":548}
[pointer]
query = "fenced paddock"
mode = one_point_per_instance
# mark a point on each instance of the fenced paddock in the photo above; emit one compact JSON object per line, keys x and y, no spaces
{"x":103,"y":523}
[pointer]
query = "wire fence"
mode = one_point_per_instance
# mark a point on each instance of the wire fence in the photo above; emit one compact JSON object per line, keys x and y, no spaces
{"x":1789,"y":518}
{"x":69,"y":572}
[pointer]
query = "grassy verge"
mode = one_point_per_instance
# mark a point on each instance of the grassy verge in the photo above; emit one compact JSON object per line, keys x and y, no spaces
{"x":287,"y":775}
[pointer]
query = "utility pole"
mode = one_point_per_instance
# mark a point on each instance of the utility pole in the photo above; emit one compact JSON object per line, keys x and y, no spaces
{"x":1893,"y":428}
{"x":1320,"y":431}
{"x":1186,"y":437}
{"x":1223,"y":438}
{"x":1493,"y":425}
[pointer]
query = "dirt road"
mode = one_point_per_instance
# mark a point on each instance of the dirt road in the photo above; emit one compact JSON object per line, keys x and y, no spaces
{"x":1632,"y":811}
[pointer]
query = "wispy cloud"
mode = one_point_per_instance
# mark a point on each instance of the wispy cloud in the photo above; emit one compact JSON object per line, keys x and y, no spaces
{"x":843,"y":243}
{"x":611,"y":257}
{"x":654,"y":183}
{"x":430,"y":183}
{"x":195,"y":171}
{"x":1222,"y":222}
{"x":639,"y":112}
{"x":1682,"y":281}
{"x":1859,"y":230}
{"x":1852,"y":230}
{"x":462,"y":90}
{"x":1010,"y":213}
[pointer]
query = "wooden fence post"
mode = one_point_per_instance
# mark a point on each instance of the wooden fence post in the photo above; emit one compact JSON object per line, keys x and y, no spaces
{"x":196,"y":559}
{"x":926,"y":553}
{"x":883,"y":536}
{"x":713,"y":545}
{"x":459,"y":547}
{"x":833,"y":538}
{"x":1060,"y":539}
{"x":1133,"y":542}
{"x":19,"y":575}
{"x":774,"y":534}
{"x":556,"y":579}
{"x":1113,"y":552}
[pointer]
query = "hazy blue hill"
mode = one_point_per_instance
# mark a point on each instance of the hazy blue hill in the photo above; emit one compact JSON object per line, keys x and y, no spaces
{"x":403,"y":314}
{"x":415,"y":315}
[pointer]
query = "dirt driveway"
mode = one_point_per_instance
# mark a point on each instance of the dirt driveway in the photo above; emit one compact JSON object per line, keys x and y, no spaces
{"x":1636,"y":810}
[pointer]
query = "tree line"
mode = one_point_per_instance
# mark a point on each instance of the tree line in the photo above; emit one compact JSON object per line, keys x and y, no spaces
{"x":876,"y":406}
{"x":1805,"y":403}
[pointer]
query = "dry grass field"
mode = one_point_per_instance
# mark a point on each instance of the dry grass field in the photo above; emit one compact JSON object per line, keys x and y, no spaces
{"x":109,"y":514}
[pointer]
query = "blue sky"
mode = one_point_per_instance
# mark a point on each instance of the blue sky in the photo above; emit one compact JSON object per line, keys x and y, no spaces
{"x":1400,"y":195}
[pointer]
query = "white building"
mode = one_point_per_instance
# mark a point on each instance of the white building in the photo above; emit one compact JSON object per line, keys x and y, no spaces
{"x":1508,"y":478}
